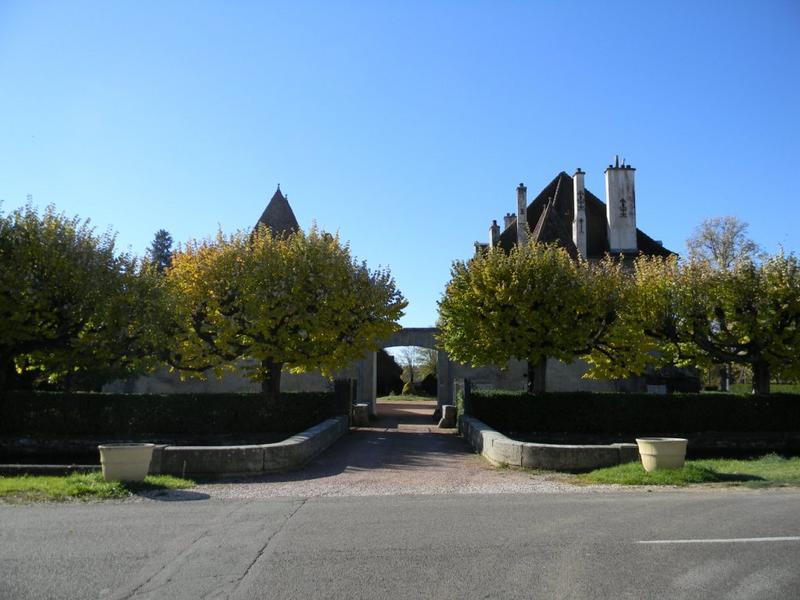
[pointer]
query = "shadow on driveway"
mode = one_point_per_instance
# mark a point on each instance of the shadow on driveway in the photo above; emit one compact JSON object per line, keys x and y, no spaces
{"x":404,"y":437}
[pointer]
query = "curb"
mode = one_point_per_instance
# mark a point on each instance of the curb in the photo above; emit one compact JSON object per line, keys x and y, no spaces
{"x":501,"y":450}
{"x":204,"y":462}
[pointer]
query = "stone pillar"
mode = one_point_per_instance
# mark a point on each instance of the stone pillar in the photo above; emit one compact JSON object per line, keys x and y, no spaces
{"x":367,"y":382}
{"x":444,"y":393}
{"x":522,"y":214}
{"x":579,"y":220}
{"x":621,"y":208}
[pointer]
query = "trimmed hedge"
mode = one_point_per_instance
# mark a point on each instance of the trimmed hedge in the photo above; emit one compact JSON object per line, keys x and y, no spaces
{"x":585,"y":412}
{"x":54,"y":413}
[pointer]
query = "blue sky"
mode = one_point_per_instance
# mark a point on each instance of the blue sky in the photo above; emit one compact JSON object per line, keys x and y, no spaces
{"x":405,"y":126}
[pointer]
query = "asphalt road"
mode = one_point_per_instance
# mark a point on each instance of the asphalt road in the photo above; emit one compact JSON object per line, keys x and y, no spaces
{"x":434,"y":546}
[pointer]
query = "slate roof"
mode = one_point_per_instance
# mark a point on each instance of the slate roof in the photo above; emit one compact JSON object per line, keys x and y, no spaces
{"x":278,"y":215}
{"x":550,"y":217}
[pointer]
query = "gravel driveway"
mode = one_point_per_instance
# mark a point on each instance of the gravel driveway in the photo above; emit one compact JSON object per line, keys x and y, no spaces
{"x":402,"y":452}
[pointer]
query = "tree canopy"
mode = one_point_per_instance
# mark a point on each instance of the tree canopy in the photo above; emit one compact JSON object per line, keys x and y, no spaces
{"x":296,"y":300}
{"x":722,"y":242}
{"x":71,"y":306}
{"x":160,"y":251}
{"x":691,"y":313}
{"x":531,"y":303}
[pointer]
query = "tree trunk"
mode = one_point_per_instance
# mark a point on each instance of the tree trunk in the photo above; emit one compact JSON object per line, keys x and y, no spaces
{"x":725,"y":378}
{"x":761,"y":377}
{"x":271,"y":384}
{"x":536,"y":376}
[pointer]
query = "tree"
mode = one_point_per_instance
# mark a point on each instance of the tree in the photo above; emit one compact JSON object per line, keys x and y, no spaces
{"x":532,"y":303}
{"x":297,"y":300}
{"x":160,"y":251}
{"x":417,"y":364}
{"x":722,"y":242}
{"x":407,"y":359}
{"x":71,"y":307}
{"x":387,"y":374}
{"x":428,"y":361}
{"x":694,"y":314}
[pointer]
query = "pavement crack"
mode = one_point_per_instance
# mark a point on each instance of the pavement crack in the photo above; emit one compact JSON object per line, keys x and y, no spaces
{"x":169,"y":566}
{"x":266,"y":544}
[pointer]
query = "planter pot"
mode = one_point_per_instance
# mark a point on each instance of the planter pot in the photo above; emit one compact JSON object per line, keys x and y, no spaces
{"x":125,"y":462}
{"x":662,"y":453}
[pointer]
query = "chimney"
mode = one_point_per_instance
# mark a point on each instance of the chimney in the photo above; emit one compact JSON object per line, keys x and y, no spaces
{"x":508,"y":220}
{"x":579,"y":225}
{"x":494,"y":234}
{"x":621,"y":207}
{"x":522,"y":214}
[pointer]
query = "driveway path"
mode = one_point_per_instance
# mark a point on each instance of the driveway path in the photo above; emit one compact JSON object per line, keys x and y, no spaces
{"x":402,"y":452}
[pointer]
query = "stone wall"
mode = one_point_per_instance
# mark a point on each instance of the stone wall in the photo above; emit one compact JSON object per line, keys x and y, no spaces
{"x":163,"y":381}
{"x":561,"y":377}
{"x":501,"y":450}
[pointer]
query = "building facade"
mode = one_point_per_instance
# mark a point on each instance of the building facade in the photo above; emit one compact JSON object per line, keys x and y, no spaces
{"x":564,"y":212}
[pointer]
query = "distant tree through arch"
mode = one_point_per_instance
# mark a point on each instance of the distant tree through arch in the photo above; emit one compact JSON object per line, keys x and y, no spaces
{"x":424,"y":337}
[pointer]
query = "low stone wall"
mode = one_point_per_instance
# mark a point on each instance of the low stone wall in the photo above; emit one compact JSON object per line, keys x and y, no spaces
{"x":213,"y":462}
{"x":499,"y":449}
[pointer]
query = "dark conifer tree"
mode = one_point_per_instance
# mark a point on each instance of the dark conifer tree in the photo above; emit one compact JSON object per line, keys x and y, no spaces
{"x":160,"y":251}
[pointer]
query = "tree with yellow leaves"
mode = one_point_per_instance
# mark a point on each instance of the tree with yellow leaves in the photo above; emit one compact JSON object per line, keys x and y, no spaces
{"x":296,"y":301}
{"x":693,"y":313}
{"x":74,"y":311}
{"x":531,"y":303}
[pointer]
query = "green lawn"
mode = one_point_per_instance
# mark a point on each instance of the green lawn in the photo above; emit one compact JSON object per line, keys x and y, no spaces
{"x":81,"y":486}
{"x":770,"y":470}
{"x":775,"y":388}
{"x":406,"y":398}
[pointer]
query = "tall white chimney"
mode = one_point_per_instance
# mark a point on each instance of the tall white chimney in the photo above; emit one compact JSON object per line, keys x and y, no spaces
{"x":579,"y":220}
{"x":522,"y":214}
{"x":621,"y":207}
{"x":494,"y":234}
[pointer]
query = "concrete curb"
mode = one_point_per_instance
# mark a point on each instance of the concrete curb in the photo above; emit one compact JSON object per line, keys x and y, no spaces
{"x":501,"y":450}
{"x":213,"y":462}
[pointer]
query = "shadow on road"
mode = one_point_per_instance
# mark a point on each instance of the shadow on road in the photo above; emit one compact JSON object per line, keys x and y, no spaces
{"x":174,"y":495}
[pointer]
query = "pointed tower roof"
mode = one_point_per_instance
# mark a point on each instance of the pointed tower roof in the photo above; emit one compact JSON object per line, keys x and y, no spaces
{"x":278,"y":215}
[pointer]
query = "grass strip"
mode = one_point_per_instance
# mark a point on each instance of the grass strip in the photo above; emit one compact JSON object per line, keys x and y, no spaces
{"x":406,"y":398}
{"x":81,"y":486}
{"x":767,"y":471}
{"x":775,"y":388}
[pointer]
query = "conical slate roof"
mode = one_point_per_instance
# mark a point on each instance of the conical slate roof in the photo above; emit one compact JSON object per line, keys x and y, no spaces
{"x":278,"y":215}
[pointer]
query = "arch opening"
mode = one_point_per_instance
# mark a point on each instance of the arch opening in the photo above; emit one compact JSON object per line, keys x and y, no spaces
{"x":423,"y":338}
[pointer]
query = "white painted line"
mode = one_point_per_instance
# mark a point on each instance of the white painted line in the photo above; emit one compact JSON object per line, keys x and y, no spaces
{"x":791,"y":538}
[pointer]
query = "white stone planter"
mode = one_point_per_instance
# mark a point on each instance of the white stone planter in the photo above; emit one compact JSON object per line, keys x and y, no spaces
{"x":125,"y":462}
{"x":662,"y":453}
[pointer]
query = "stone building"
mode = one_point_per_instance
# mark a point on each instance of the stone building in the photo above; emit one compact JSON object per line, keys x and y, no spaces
{"x":278,"y":215}
{"x":568,"y":214}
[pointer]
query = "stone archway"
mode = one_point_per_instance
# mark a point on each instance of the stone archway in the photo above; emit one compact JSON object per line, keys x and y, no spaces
{"x":424,"y":337}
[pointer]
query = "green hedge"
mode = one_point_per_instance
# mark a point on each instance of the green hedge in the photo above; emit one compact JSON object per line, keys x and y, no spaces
{"x":53,"y":413}
{"x":584,"y":412}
